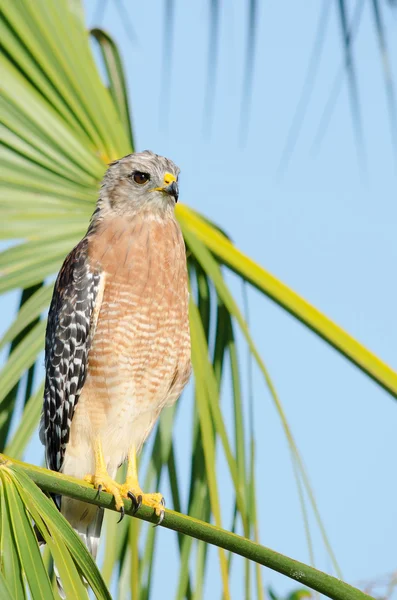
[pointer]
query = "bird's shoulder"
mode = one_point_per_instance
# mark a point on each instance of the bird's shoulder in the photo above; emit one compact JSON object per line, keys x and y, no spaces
{"x":75,"y":290}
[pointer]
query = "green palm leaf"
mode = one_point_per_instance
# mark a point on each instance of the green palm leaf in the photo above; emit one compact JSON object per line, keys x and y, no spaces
{"x":22,"y":500}
{"x":26,"y":544}
{"x":23,"y":475}
{"x":229,"y":255}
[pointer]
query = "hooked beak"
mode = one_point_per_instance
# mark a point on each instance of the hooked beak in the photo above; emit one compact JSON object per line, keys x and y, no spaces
{"x":172,"y":190}
{"x":170,"y":187}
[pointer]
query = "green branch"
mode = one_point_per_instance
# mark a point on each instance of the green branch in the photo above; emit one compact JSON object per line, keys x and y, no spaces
{"x":336,"y":589}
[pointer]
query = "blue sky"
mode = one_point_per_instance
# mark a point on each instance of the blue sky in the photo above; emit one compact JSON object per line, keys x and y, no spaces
{"x":325,"y":227}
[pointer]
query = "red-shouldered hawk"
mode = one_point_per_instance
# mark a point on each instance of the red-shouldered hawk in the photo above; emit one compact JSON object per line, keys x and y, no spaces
{"x":117,"y":341}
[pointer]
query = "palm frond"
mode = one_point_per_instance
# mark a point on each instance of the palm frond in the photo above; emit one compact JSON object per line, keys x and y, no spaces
{"x":21,"y":476}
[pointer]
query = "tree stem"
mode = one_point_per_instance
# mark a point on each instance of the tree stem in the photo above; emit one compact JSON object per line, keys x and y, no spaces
{"x":57,"y":483}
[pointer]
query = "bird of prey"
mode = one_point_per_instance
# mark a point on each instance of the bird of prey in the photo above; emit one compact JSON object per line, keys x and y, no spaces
{"x":117,"y":341}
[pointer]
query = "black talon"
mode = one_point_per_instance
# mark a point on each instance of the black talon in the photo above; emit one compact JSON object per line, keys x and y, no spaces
{"x":161,"y":519}
{"x":162,"y":513}
{"x":99,"y":490}
{"x":122,"y":513}
{"x":137,"y":502}
{"x":133,"y":498}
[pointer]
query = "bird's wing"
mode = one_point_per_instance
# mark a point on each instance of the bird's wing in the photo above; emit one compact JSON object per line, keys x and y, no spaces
{"x":70,"y":330}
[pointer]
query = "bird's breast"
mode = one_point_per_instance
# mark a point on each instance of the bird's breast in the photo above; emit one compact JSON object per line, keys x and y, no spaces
{"x":142,"y":333}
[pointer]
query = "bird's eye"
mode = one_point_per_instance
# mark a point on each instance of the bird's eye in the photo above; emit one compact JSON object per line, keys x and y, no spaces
{"x":140,"y":178}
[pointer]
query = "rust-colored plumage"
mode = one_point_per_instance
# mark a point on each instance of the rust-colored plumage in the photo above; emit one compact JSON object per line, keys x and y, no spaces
{"x":118,"y":343}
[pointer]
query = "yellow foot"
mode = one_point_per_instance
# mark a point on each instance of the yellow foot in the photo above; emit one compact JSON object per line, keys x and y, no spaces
{"x":103,"y":482}
{"x":131,"y":489}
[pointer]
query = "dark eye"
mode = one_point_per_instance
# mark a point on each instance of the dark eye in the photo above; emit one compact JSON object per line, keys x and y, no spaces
{"x":140,"y":178}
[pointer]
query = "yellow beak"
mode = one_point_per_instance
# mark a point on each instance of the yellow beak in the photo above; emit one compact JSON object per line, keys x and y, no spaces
{"x":168,"y":178}
{"x":170,"y":186}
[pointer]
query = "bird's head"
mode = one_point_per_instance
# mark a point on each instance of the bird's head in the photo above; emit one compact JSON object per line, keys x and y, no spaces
{"x":140,"y":181}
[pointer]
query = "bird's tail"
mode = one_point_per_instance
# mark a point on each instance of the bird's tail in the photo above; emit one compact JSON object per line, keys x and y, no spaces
{"x":86,"y":520}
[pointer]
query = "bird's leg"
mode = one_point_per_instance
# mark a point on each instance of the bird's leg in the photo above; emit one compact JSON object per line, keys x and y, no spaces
{"x":101,"y":478}
{"x":132,"y":489}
